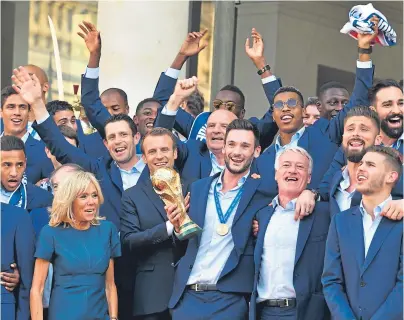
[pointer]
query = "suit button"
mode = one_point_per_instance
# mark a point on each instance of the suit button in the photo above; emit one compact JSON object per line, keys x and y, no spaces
{"x":363,"y":284}
{"x":172,"y":264}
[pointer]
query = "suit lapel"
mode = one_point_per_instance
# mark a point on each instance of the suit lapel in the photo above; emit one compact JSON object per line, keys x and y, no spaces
{"x":356,"y":233}
{"x":336,"y":183}
{"x":206,"y":164}
{"x":250,"y":186}
{"x":154,"y":198}
{"x":382,"y":232}
{"x":263,"y":220}
{"x":304,"y":140}
{"x":116,"y":176}
{"x":356,"y":199}
{"x":305,"y":226}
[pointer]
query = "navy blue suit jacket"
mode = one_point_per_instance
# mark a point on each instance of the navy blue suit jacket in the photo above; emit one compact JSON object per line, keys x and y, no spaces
{"x":334,"y":128}
{"x":39,"y":165}
{"x":309,"y":260}
{"x":359,"y":287}
{"x":17,"y":246}
{"x":104,"y":169}
{"x":320,"y":148}
{"x":38,"y":197}
{"x":238,"y":272}
{"x":183,"y":121}
{"x":144,"y":231}
{"x":92,"y":144}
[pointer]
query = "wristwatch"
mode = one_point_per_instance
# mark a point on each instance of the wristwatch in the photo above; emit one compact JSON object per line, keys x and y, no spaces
{"x":316,"y":194}
{"x":366,"y":51}
{"x":265,"y":68}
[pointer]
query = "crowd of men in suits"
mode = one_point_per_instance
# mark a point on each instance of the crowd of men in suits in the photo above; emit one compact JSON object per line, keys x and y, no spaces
{"x":301,"y":210}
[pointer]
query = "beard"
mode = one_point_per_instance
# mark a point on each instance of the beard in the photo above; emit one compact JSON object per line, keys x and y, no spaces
{"x":393,"y":133}
{"x":373,"y":186}
{"x":244,"y":168}
{"x":354,"y":156}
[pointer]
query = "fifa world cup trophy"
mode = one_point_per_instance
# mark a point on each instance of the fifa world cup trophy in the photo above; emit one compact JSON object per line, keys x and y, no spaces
{"x":167,"y":184}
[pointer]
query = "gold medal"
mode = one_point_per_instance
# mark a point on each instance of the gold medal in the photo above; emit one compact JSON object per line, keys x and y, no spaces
{"x":222,"y":229}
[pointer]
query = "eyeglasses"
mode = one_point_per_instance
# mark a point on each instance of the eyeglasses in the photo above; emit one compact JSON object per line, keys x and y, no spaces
{"x":230,"y":105}
{"x":291,"y":103}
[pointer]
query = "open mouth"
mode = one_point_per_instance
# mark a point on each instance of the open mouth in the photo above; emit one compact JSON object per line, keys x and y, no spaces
{"x":90,"y":211}
{"x":361,"y":178}
{"x":150,"y":125}
{"x":291,"y":179}
{"x":237,"y":161}
{"x":16,"y":121}
{"x":13,"y":182}
{"x":120,"y":150}
{"x":395,"y":121}
{"x":356,"y":143}
{"x":287,"y":118}
{"x":161,"y":164}
{"x":217,"y":138}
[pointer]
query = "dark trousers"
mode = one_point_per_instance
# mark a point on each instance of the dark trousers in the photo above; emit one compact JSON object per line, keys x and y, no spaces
{"x":276,"y":313}
{"x":211,"y":305}
{"x":165,"y":315}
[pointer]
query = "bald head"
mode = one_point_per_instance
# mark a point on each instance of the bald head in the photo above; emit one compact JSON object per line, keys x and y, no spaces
{"x":43,"y":80}
{"x":216,"y":129}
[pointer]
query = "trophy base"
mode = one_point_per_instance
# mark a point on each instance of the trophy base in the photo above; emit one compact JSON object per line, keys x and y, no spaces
{"x":188,"y":230}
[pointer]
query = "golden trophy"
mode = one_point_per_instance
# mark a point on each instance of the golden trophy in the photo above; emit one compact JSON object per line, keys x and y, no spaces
{"x":79,"y":112}
{"x":167,"y":184}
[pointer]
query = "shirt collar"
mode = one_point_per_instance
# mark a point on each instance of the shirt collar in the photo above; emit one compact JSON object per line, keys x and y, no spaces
{"x":345,"y":179}
{"x":291,"y":205}
{"x":240,"y":182}
{"x":378,"y":210}
{"x":137,"y":168}
{"x":295,"y":137}
{"x":24,"y":138}
{"x":214,"y":160}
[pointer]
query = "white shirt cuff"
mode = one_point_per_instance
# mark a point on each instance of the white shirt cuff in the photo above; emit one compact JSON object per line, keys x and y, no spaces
{"x":172,"y":73}
{"x":167,"y":112}
{"x":170,"y":228}
{"x":92,"y":73}
{"x":268,"y":79}
{"x":39,"y":121}
{"x":364,"y":64}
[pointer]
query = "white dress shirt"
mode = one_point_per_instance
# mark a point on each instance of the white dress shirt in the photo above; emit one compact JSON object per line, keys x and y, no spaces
{"x":369,"y":225}
{"x":216,"y":167}
{"x":343,"y":197}
{"x":131,"y":177}
{"x":214,"y":250}
{"x":278,"y":256}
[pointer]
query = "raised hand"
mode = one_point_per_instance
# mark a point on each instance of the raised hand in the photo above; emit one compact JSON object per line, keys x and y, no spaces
{"x":91,"y":37}
{"x":255,"y":52}
{"x":175,"y":216}
{"x":364,"y":40}
{"x":184,"y":88}
{"x":193,"y":43}
{"x":27,"y":86}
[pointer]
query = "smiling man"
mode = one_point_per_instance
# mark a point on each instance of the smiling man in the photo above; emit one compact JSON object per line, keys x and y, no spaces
{"x":363,"y":266}
{"x":287,"y":248}
{"x":147,"y":232}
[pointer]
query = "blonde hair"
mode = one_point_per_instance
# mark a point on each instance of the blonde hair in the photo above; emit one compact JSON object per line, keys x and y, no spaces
{"x":68,"y":191}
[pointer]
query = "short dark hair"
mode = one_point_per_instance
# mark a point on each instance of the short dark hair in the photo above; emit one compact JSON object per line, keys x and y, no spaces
{"x":143,"y":102}
{"x":195,"y":103}
{"x":69,"y":133}
{"x":312,"y":101}
{"x":330,"y":85}
{"x":6,"y":92}
{"x":392,"y":156}
{"x":237,"y":90}
{"x":57,"y":105}
{"x":289,"y":89}
{"x":381,"y":85}
{"x":12,"y":143}
{"x":122,"y":117}
{"x":158,"y":132}
{"x":122,"y":93}
{"x":362,"y":111}
{"x":242,"y":124}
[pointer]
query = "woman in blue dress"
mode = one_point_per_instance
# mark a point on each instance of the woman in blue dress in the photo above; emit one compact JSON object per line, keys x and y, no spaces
{"x":82,"y":247}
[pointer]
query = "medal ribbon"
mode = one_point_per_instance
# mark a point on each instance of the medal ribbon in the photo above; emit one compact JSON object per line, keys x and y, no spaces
{"x":224,"y":217}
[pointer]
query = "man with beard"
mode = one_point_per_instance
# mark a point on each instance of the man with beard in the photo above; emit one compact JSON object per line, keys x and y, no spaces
{"x":112,"y":101}
{"x":215,"y":277}
{"x":148,"y":234}
{"x":386,"y":98}
{"x":363,"y":266}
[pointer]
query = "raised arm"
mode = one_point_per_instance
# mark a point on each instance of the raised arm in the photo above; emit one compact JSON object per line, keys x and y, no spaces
{"x":333,"y":277}
{"x":363,"y":82}
{"x":90,"y":96}
{"x":30,"y":90}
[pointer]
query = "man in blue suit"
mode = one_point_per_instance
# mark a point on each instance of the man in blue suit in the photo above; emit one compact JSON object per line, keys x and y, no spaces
{"x":148,"y":233}
{"x":17,"y":246}
{"x":361,"y":131}
{"x":363,"y":266}
{"x":14,"y":190}
{"x":63,"y":114}
{"x":14,"y":112}
{"x":215,"y":277}
{"x":289,"y":253}
{"x":334,"y":97}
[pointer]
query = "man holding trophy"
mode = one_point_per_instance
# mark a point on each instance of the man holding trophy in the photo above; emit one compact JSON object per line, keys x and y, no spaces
{"x":146,"y":230}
